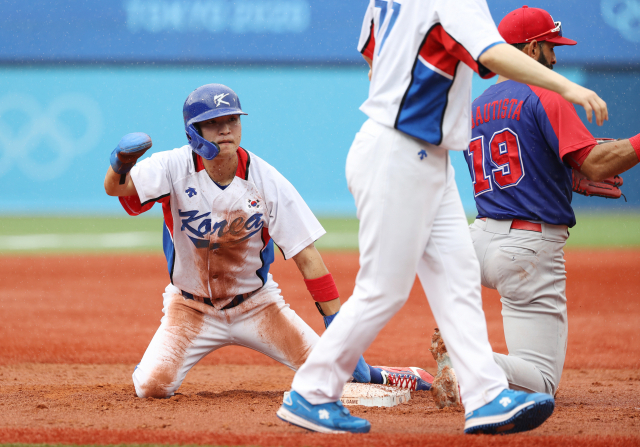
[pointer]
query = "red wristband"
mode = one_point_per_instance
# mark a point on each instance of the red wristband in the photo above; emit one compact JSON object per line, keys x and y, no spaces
{"x":322,"y":289}
{"x":635,"y":143}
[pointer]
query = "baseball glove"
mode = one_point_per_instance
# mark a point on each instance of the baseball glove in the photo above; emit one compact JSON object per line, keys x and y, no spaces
{"x":608,"y":188}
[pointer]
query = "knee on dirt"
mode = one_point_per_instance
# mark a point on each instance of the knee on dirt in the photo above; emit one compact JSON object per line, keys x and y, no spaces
{"x":152,"y":386}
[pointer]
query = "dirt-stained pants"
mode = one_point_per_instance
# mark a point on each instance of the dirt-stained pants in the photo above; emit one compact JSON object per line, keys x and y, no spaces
{"x":189,"y":330}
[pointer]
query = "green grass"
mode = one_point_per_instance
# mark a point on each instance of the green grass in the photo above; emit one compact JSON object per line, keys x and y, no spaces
{"x":10,"y":226}
{"x":606,"y":231}
{"x":19,"y":235}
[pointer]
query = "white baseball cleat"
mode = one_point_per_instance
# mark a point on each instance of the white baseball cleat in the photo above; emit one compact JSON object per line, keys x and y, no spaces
{"x":412,"y":378}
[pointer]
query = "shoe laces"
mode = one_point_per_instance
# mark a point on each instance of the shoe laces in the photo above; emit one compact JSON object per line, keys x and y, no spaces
{"x":403,"y":381}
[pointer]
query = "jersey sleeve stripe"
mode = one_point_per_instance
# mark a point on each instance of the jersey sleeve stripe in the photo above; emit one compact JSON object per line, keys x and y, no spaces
{"x":490,"y":46}
{"x":133,"y":207}
{"x":370,"y":45}
{"x":157,"y":199}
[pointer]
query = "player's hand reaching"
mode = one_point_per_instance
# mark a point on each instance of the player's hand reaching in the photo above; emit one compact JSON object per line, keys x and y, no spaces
{"x":588,"y":99}
{"x":130,"y":148}
{"x":513,"y":64}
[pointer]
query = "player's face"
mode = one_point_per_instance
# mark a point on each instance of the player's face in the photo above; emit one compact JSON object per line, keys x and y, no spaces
{"x":547,"y":55}
{"x":226,"y":131}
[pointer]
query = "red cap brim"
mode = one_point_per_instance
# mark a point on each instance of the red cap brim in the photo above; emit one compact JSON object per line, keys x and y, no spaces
{"x":561,"y":41}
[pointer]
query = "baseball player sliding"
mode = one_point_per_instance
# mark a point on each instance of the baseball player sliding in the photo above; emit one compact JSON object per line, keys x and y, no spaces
{"x":423,"y":54}
{"x":223,"y":209}
{"x":525,"y":142}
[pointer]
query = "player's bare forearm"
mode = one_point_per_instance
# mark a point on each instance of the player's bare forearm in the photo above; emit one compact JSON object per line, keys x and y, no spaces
{"x":113,"y":187}
{"x":507,"y":61}
{"x":311,"y":265}
{"x":330,"y":307}
{"x":609,"y":159}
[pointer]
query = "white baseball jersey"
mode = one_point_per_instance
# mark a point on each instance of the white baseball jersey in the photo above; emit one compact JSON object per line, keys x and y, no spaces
{"x":418,"y":85}
{"x":218,"y":241}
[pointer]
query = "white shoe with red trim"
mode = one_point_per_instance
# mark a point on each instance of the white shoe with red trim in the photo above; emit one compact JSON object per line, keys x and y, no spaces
{"x":411,"y":378}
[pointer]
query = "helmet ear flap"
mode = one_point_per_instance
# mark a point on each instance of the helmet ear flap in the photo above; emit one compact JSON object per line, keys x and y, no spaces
{"x":206,"y":149}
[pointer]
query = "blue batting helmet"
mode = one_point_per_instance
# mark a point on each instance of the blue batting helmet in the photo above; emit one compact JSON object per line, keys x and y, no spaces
{"x":204,"y":103}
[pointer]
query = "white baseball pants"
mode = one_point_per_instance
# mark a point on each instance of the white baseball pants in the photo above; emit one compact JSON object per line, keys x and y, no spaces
{"x":527,"y":269}
{"x":411,"y":221}
{"x":189,"y":330}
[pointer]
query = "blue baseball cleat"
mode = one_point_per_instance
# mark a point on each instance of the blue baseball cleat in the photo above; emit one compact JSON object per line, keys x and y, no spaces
{"x":510,"y":412}
{"x":324,"y":418}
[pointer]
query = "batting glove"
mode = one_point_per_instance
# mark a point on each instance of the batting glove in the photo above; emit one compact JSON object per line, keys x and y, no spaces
{"x":131,"y":147}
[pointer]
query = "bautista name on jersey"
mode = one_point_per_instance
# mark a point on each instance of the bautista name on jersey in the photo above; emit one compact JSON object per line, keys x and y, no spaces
{"x":218,"y":241}
{"x":520,"y":138}
{"x":421,"y":81}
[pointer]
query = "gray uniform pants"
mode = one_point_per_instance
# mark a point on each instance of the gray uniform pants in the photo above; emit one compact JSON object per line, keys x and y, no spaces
{"x":527,"y":269}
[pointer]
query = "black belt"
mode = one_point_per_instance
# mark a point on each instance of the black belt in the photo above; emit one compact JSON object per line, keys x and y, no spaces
{"x":238,"y":299}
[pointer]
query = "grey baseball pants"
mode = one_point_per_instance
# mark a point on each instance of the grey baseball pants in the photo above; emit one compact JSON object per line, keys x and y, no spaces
{"x":527,"y":269}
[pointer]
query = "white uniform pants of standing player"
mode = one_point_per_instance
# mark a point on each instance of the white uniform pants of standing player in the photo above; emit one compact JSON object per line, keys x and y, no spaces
{"x":411,"y":221}
{"x":189,"y":330}
{"x":527,"y":269}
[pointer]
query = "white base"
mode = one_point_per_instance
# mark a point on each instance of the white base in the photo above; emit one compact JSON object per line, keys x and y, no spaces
{"x":372,"y":395}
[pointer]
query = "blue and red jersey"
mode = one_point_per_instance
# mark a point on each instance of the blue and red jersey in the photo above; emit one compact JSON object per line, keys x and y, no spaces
{"x":520,"y":136}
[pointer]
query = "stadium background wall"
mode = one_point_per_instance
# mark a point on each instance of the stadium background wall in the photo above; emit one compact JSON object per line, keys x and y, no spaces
{"x":75,"y":77}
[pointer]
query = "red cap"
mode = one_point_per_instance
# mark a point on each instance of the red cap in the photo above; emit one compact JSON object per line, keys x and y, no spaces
{"x":526,"y":24}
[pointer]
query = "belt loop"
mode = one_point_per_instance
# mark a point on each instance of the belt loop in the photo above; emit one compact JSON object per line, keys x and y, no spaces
{"x":498,"y":226}
{"x":555,"y":233}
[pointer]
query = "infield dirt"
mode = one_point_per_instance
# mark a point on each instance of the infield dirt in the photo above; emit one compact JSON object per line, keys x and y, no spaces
{"x":73,"y":328}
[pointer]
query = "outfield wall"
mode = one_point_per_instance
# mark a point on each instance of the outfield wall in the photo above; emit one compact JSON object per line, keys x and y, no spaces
{"x":59,"y":125}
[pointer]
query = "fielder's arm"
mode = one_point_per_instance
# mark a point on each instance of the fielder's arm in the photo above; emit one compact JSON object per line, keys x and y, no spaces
{"x":609,"y":159}
{"x":312,"y":267}
{"x":505,"y":60}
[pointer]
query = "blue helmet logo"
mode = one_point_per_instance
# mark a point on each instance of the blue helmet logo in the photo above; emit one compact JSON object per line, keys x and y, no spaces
{"x":205,"y":103}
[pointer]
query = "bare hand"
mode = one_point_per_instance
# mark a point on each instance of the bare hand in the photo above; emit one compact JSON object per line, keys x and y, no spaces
{"x":588,"y":99}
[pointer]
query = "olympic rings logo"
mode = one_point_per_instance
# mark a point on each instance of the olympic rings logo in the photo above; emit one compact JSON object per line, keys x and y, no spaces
{"x":42,"y":142}
{"x":623,"y":15}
